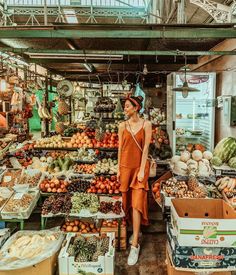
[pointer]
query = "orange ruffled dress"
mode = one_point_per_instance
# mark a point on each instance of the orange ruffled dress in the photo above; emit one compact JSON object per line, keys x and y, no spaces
{"x":134,"y":193}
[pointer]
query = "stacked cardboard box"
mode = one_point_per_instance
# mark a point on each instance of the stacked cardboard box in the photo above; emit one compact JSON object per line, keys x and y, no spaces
{"x":202,"y":235}
{"x":104,"y":265}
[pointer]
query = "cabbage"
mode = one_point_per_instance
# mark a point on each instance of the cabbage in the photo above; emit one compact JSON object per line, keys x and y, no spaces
{"x":207,"y":155}
{"x":197,"y":155}
{"x":185,"y":156}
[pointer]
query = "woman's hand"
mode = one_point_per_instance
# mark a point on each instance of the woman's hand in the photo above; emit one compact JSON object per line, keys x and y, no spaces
{"x":118,"y":176}
{"x":140,"y":176}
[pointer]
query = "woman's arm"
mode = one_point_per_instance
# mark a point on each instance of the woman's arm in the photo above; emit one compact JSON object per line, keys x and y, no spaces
{"x":120,"y":134}
{"x":148,"y":137}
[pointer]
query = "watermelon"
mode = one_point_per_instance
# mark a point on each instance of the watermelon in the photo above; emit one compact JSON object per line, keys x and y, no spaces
{"x":216,"y":161}
{"x":225,"y":149}
{"x":232,"y":162}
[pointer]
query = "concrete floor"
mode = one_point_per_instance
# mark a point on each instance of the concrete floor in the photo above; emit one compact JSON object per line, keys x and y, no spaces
{"x":151,"y":260}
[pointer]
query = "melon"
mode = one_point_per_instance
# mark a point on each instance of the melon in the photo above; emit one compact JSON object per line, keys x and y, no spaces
{"x":225,"y":149}
{"x":216,"y":161}
{"x":232,"y":162}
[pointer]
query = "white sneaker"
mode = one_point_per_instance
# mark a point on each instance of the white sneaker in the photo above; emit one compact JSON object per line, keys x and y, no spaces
{"x":133,"y":255}
{"x":132,"y":236}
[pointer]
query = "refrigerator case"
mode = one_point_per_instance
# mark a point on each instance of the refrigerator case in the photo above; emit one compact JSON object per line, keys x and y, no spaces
{"x":191,"y":120}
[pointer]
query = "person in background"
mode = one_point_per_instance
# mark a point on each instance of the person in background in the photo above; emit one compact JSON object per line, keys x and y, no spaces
{"x":133,"y":169}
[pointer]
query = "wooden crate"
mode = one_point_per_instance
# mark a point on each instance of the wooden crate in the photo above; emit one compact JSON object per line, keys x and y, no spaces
{"x":123,"y":235}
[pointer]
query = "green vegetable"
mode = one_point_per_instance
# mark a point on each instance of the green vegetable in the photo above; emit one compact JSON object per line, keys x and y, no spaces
{"x":232,"y":162}
{"x":225,"y":149}
{"x":216,"y":161}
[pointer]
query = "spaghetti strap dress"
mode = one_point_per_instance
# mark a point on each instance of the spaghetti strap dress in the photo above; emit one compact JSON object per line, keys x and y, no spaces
{"x":134,"y":193}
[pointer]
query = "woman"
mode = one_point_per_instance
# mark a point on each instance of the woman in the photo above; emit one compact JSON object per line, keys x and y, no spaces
{"x":134,"y":139}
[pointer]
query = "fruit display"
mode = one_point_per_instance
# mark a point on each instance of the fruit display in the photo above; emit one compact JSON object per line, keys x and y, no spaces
{"x":5,"y":194}
{"x":156,"y":189}
{"x":63,"y":107}
{"x":159,"y":147}
{"x":54,"y":155}
{"x":104,"y":185}
{"x":191,"y":147}
{"x":196,"y":161}
{"x":88,"y":249}
{"x":157,"y":116}
{"x":50,"y":142}
{"x":78,"y":185}
{"x":111,"y":128}
{"x":54,"y":185}
{"x":79,"y":226}
{"x":10,"y":177}
{"x":32,"y":179}
{"x":227,"y":185}
{"x":225,"y":152}
{"x":70,"y":131}
{"x":119,"y":116}
{"x":84,"y":155}
{"x":60,"y":164}
{"x":106,"y":166}
{"x":84,"y":168}
{"x":57,"y":204}
{"x":110,"y":140}
{"x":183,"y":189}
{"x":104,"y":104}
{"x":80,"y":140}
{"x":108,"y":206}
{"x":91,"y":124}
{"x":81,"y":201}
{"x":19,"y":203}
{"x":3,"y":144}
{"x":112,"y":223}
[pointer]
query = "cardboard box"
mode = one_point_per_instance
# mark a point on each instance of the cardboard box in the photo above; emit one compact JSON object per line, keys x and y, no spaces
{"x":203,"y":222}
{"x":171,"y":270}
{"x":104,"y":266}
{"x":200,"y":257}
{"x":123,"y":235}
{"x":46,"y":267}
{"x":4,"y":235}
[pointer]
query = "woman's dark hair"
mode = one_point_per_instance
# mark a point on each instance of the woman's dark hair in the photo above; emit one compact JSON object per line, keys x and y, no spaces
{"x":136,"y":101}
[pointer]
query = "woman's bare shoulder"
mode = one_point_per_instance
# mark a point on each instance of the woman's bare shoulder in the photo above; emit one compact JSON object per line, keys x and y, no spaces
{"x":122,"y":125}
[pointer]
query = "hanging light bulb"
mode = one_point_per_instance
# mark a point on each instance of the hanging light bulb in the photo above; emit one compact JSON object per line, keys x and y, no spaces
{"x":145,"y":70}
{"x":3,"y":85}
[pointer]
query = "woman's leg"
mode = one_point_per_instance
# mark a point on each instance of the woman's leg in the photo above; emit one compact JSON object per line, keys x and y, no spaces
{"x":136,"y":226}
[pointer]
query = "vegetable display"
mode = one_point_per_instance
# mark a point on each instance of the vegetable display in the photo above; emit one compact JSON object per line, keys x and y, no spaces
{"x":82,"y":201}
{"x":56,"y":204}
{"x":224,"y":151}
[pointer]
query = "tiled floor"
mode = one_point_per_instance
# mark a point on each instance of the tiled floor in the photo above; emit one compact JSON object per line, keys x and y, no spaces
{"x":151,"y":260}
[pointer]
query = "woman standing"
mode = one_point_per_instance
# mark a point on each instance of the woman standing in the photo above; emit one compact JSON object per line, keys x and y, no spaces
{"x":134,"y":139}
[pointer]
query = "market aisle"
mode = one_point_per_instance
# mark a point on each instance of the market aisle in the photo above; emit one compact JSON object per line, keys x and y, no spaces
{"x":152,"y":257}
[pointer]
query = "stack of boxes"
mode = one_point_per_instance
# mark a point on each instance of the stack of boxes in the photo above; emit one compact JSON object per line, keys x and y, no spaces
{"x":201,"y":237}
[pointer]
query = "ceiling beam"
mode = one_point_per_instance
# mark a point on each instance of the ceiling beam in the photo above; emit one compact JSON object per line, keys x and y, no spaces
{"x":169,"y":32}
{"x":56,"y":53}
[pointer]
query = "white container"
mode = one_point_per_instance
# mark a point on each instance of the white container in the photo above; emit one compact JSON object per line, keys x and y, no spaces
{"x":203,"y":222}
{"x":4,"y":235}
{"x":104,"y":265}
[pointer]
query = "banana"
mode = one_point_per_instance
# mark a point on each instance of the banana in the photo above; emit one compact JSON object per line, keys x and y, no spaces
{"x":218,"y":182}
{"x":232,"y":184}
{"x":46,"y":113}
{"x":224,"y":183}
{"x":40,"y":113}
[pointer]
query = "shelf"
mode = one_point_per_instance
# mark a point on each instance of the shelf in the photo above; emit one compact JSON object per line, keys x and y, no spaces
{"x":76,"y":149}
{"x":192,"y":136}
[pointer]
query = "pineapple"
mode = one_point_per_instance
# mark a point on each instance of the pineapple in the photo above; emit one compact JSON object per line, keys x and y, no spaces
{"x":200,"y":192}
{"x":63,"y":107}
{"x":104,"y":245}
{"x":92,"y":240}
{"x":192,"y":182}
{"x":81,"y":258}
{"x":99,"y":135}
{"x":96,"y":255}
{"x":71,"y":250}
{"x":59,"y":127}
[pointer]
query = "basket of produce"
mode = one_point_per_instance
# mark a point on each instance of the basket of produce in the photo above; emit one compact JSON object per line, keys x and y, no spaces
{"x":110,"y":208}
{"x":83,"y":227}
{"x":52,"y":184}
{"x":10,"y":177}
{"x":31,"y":178}
{"x":5,"y":195}
{"x":105,"y":185}
{"x":20,"y":205}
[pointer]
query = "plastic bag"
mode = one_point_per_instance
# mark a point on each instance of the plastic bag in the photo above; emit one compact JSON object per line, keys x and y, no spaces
{"x":140,"y":92}
{"x":49,"y":248}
